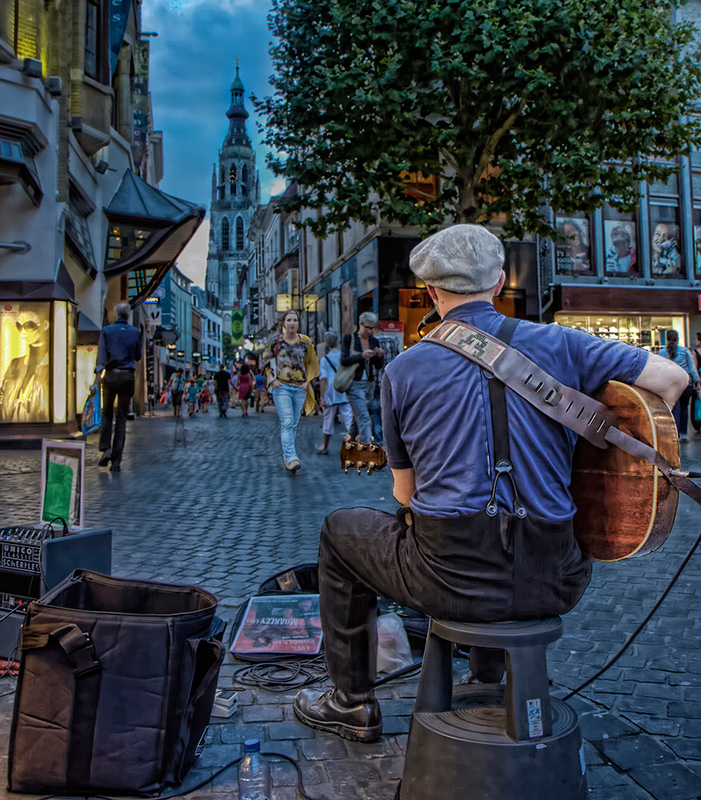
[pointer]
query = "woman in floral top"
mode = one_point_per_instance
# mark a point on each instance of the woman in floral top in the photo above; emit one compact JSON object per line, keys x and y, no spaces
{"x":290,"y":367}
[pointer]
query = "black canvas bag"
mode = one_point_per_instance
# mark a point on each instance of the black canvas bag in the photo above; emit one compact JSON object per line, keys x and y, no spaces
{"x":116,"y":686}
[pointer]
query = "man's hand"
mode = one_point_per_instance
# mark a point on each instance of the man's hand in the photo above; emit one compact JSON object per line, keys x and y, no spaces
{"x":368,"y":353}
{"x":379,"y":352}
{"x":323,"y":402}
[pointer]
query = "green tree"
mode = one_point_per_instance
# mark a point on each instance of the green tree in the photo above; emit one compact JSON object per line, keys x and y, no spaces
{"x":515,"y":104}
{"x":229,"y":350}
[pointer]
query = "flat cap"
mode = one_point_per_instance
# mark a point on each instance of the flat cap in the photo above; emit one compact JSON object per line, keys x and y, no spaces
{"x":464,"y":259}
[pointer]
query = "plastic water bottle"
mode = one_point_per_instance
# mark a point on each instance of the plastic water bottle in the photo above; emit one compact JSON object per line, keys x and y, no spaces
{"x":254,"y":773}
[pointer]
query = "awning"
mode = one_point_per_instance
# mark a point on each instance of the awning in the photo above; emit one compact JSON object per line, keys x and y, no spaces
{"x":88,"y":332}
{"x":148,"y":231}
{"x":60,"y":289}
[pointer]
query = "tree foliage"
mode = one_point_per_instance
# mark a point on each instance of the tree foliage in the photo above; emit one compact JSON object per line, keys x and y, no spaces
{"x":515,"y":104}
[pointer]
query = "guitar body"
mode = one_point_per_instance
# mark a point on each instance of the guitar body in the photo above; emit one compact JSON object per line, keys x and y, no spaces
{"x":625,"y":506}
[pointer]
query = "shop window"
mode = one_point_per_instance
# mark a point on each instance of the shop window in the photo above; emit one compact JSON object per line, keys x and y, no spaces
{"x":668,"y":188}
{"x":620,"y":243}
{"x":648,"y":332}
{"x":25,"y":361}
{"x":572,"y":249}
{"x":239,"y":233}
{"x":665,"y":242}
{"x":225,"y":241}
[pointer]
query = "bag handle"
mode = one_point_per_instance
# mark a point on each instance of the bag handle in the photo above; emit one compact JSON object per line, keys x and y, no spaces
{"x":76,"y":644}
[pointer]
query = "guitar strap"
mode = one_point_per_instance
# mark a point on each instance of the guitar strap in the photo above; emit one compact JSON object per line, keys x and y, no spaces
{"x":573,"y":409}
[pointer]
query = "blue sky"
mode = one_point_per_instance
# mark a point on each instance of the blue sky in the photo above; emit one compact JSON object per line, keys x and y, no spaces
{"x":193,"y":62}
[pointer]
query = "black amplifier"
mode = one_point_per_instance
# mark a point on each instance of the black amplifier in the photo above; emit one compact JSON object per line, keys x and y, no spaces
{"x":33,"y":559}
{"x":21,"y":560}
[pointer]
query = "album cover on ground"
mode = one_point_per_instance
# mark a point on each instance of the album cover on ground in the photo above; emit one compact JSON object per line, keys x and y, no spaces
{"x":287,"y":624}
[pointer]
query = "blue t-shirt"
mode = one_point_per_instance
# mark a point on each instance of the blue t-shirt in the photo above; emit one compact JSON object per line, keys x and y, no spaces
{"x":436,"y":417}
{"x":259,"y":382}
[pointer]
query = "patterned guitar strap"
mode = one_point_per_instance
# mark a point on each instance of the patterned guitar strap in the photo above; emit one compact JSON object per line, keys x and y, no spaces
{"x":571,"y":408}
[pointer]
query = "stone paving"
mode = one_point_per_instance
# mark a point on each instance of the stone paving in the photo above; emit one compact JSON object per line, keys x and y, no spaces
{"x":218,"y":510}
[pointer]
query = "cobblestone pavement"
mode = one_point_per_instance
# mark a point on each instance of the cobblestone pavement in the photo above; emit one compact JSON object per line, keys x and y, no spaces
{"x":218,"y":510}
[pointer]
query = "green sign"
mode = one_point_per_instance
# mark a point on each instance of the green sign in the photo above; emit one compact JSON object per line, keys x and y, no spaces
{"x":236,"y":326}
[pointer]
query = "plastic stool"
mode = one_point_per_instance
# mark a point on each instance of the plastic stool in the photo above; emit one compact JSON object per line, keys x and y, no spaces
{"x":488,"y":741}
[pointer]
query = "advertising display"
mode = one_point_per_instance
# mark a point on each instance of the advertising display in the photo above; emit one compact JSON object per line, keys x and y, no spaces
{"x":619,"y":244}
{"x":288,"y":625}
{"x":62,"y":477}
{"x":25,"y":361}
{"x":665,"y":242}
{"x":572,"y":248}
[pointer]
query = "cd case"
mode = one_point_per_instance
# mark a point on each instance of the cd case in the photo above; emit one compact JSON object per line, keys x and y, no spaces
{"x":281,"y":624}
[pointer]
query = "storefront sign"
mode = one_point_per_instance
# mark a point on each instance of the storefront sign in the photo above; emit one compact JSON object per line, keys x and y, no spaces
{"x":236,"y":326}
{"x":119,"y":16}
{"x":283,"y":302}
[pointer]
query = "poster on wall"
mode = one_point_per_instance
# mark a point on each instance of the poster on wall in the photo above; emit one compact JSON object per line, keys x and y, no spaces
{"x":619,"y":245}
{"x":665,"y":242}
{"x":572,"y":248}
{"x":24,"y":362}
{"x":62,"y":476}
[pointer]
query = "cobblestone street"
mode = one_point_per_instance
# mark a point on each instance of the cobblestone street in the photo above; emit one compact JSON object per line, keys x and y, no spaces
{"x":219,"y":511}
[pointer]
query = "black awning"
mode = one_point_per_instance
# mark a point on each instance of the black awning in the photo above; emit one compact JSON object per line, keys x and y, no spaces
{"x":148,"y":231}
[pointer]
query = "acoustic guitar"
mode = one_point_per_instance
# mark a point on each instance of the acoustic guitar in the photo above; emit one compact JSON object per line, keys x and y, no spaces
{"x":625,"y":506}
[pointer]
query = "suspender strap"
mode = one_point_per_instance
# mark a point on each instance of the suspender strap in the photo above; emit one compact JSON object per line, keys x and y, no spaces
{"x":573,"y":409}
{"x":500,"y":432}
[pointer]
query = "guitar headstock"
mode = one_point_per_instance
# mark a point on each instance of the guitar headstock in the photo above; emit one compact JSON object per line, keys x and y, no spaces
{"x":358,"y":455}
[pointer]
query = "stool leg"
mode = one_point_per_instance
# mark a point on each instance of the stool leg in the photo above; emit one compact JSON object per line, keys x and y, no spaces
{"x":435,"y":691}
{"x":527,"y":698}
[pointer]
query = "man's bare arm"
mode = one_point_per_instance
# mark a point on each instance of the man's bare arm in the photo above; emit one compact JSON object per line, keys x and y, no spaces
{"x":664,"y":378}
{"x":404,"y":485}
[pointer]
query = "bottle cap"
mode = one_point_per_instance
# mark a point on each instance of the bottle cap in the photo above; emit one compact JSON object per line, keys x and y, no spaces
{"x":251,"y":746}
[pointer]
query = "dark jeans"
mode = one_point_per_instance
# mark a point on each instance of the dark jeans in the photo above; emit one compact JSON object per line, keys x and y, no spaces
{"x":222,"y":402}
{"x":471,"y":568}
{"x":119,"y":384}
{"x":681,"y":409}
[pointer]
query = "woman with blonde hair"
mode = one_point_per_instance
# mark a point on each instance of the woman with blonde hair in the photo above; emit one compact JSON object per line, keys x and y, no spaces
{"x":290,"y":367}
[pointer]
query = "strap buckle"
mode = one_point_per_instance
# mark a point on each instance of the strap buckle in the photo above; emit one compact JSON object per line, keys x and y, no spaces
{"x":84,"y":658}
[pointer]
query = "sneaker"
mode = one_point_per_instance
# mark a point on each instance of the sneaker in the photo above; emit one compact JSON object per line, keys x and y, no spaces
{"x":683,"y":438}
{"x":116,"y":467}
{"x":293,"y":466}
{"x":324,"y":711}
{"x":322,"y":451}
{"x":105,"y":458}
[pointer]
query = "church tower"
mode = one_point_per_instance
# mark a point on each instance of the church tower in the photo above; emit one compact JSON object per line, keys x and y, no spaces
{"x":235,"y":197}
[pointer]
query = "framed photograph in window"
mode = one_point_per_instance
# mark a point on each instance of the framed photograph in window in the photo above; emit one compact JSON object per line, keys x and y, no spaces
{"x":572,"y":248}
{"x":620,"y":240}
{"x":667,"y":259}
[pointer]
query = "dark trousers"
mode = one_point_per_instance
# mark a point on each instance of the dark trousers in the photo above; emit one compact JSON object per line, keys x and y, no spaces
{"x":471,"y":568}
{"x":681,"y":409}
{"x":119,"y":384}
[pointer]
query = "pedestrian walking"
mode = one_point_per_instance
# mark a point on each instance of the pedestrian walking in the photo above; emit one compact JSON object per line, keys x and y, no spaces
{"x":244,"y":387}
{"x":260,"y":391}
{"x":192,"y":394}
{"x":222,"y":382}
{"x":363,"y":349}
{"x":681,"y":356}
{"x":331,"y":401}
{"x":176,"y":386}
{"x":118,"y":351}
{"x":205,"y":397}
{"x":290,"y":366}
{"x":469,"y":544}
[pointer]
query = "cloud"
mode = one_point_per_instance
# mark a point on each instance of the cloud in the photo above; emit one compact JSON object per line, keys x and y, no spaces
{"x":193,"y":62}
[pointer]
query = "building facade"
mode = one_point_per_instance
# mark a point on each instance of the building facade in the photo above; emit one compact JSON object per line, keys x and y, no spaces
{"x":207,"y":305}
{"x":82,"y":222}
{"x":235,"y":197}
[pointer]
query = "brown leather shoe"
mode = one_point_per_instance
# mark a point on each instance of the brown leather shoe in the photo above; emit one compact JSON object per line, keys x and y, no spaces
{"x":361,"y":722}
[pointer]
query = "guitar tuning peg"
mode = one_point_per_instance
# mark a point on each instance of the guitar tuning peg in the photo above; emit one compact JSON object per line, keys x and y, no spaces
{"x":347,"y":437}
{"x":347,"y":466}
{"x":358,"y":438}
{"x":349,"y":444}
{"x":345,"y":470}
{"x":373,"y":447}
{"x":371,"y":439}
{"x":371,"y":466}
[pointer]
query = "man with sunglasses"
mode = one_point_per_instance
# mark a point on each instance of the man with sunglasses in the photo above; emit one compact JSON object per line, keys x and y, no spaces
{"x":117,"y":353}
{"x":24,"y":393}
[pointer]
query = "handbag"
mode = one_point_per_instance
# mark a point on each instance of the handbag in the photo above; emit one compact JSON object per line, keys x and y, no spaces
{"x":344,"y":377}
{"x":116,"y":686}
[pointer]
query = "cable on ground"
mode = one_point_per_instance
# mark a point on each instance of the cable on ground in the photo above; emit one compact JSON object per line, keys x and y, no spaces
{"x":640,"y":627}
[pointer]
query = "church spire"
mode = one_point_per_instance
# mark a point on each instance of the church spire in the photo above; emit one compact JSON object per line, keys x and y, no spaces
{"x":237,"y":113}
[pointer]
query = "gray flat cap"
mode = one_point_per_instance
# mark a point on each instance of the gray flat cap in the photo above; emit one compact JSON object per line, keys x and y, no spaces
{"x":464,"y":259}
